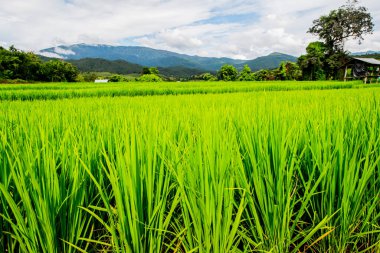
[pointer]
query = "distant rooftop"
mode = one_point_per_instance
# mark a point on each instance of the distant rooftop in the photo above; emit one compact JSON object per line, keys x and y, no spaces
{"x":372,"y":61}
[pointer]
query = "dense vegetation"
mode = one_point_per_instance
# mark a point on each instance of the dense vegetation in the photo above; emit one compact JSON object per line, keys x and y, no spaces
{"x":102,"y":65}
{"x":266,"y":171}
{"x":51,"y":91}
{"x":324,"y":59}
{"x":26,"y":66}
{"x":122,"y":67}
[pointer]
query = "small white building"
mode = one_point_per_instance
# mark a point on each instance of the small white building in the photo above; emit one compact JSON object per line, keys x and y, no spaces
{"x":101,"y":81}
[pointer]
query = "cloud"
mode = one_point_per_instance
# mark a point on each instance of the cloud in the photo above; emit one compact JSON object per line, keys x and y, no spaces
{"x":192,"y":39}
{"x":51,"y":55}
{"x":60,"y":50}
{"x":239,"y":29}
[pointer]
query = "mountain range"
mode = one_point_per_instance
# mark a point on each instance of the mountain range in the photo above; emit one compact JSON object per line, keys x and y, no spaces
{"x":144,"y":56}
{"x":126,"y":68}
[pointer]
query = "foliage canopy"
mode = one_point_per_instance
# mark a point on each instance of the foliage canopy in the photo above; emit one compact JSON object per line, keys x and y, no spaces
{"x":227,"y":73}
{"x":348,"y":21}
{"x":16,"y":64}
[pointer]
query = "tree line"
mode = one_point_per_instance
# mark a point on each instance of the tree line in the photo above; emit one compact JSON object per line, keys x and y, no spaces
{"x":21,"y":66}
{"x":286,"y":71}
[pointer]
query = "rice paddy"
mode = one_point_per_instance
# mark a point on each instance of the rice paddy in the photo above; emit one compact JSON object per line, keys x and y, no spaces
{"x":51,"y":91}
{"x":224,"y":167}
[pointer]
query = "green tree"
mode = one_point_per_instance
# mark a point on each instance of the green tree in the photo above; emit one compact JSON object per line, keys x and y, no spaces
{"x":246,"y":74}
{"x":15,"y":64}
{"x":314,"y":62}
{"x":89,"y":76}
{"x":265,"y":75}
{"x":347,"y":22}
{"x":208,"y":77}
{"x":154,"y":71}
{"x":59,"y":71}
{"x":151,"y":70}
{"x":149,"y":78}
{"x":289,"y":71}
{"x":227,"y":73}
{"x":117,"y":78}
{"x":145,"y":71}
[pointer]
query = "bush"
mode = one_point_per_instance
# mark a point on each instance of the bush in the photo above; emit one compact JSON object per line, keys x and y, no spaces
{"x":208,"y":77}
{"x":117,"y":78}
{"x":149,"y":78}
{"x":227,"y":73}
{"x":59,"y":71}
{"x":14,"y":81}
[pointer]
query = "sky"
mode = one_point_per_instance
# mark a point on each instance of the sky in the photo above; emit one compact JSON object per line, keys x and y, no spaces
{"x":241,"y":29}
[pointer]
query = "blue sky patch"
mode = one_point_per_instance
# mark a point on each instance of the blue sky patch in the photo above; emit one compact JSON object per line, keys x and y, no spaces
{"x":247,"y":18}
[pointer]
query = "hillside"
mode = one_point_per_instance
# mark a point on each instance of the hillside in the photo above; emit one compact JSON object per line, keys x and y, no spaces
{"x":159,"y":58}
{"x":125,"y":68}
{"x":102,"y":65}
{"x":139,"y":55}
{"x":268,"y":62}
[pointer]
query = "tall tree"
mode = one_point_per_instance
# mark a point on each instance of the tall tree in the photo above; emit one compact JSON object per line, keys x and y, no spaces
{"x":15,"y":64}
{"x":245,"y":74}
{"x":59,"y":71}
{"x":313,"y":63}
{"x":348,"y":21}
{"x":289,"y":71}
{"x":227,"y":73}
{"x":151,"y":70}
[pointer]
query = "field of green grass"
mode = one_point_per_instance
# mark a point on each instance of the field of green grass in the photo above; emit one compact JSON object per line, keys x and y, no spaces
{"x":49,"y":91}
{"x":219,"y":167}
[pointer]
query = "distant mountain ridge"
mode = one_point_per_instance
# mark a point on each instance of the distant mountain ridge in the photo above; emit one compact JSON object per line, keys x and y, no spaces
{"x":126,"y":68}
{"x":270,"y":61}
{"x":145,"y":56}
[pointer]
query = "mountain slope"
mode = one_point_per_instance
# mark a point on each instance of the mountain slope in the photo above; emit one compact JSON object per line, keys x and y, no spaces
{"x":102,"y":65}
{"x":268,"y":62}
{"x":160,"y":58}
{"x":139,"y":55}
{"x":124,"y":68}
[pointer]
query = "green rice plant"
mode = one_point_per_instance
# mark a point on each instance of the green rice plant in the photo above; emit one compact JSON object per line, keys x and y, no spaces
{"x":346,"y":152}
{"x":77,"y":90}
{"x":44,"y":187}
{"x":211,"y":204}
{"x":264,"y":171}
{"x":142,"y":197}
{"x":276,"y":203}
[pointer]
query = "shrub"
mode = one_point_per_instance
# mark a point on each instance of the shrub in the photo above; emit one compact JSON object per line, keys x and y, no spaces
{"x":149,"y":78}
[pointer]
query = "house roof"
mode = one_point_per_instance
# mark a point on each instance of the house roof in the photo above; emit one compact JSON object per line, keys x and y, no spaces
{"x":368,"y":60}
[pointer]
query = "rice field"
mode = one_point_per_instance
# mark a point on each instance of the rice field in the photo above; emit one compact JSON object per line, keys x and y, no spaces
{"x":224,"y":167}
{"x":52,"y":91}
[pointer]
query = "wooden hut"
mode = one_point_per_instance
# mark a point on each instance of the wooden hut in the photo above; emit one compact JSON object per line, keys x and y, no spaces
{"x":367,"y":69}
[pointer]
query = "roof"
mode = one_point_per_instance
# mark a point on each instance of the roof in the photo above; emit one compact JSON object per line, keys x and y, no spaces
{"x":101,"y":81}
{"x":368,"y":60}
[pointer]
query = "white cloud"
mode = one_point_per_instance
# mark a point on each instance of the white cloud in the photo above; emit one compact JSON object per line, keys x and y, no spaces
{"x":52,"y":55}
{"x":278,"y":25}
{"x":60,"y":50}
